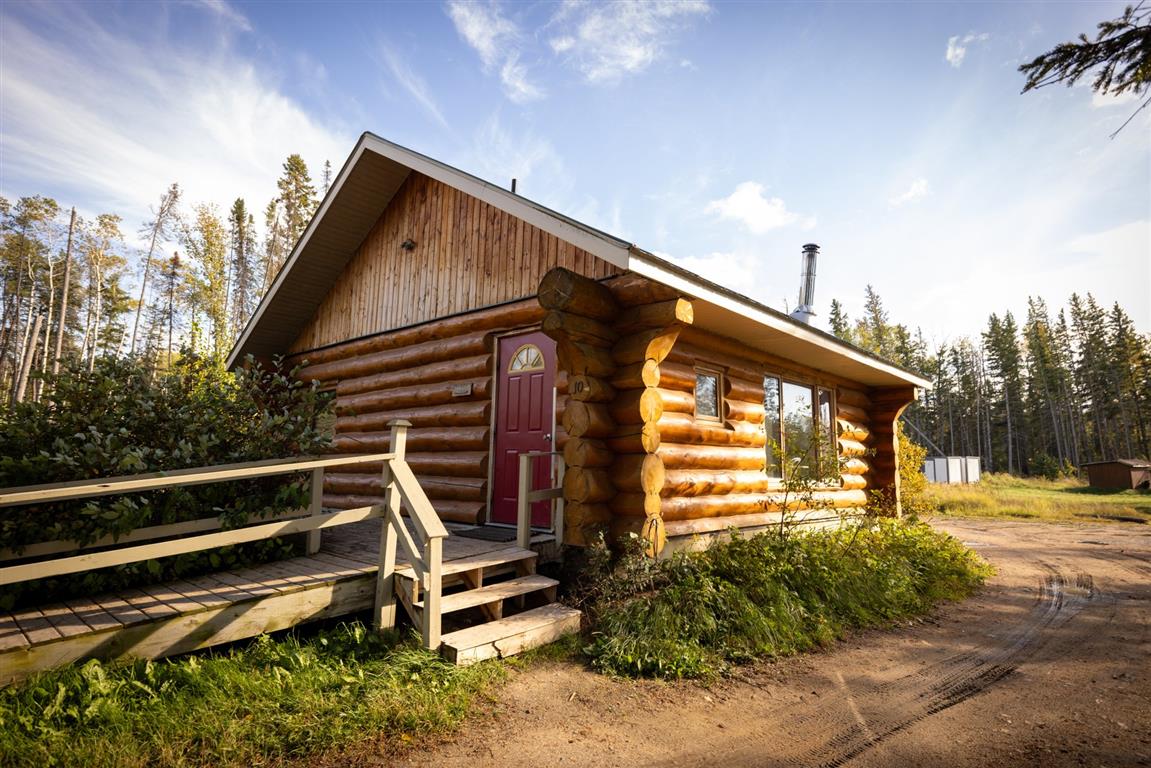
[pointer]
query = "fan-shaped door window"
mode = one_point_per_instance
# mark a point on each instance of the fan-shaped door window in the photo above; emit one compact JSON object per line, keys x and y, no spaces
{"x":527,"y":358}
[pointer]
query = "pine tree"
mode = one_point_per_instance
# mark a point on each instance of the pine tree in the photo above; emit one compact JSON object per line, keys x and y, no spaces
{"x":327,"y":176}
{"x":297,"y":198}
{"x":1128,"y":363}
{"x":242,"y":242}
{"x":274,"y":238}
{"x":839,"y":322}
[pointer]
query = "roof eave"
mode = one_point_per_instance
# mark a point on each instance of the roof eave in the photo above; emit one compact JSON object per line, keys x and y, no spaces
{"x":649,"y":265}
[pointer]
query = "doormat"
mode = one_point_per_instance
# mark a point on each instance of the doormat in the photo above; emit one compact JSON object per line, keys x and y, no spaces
{"x":488,"y":533}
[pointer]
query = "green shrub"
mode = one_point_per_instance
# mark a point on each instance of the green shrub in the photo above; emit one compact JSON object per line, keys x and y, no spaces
{"x":691,"y":615}
{"x":123,"y":418}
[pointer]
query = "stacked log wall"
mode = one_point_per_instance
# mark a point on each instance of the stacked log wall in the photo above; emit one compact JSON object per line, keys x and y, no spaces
{"x":887,"y":405}
{"x":641,"y":455}
{"x":578,"y":316}
{"x":716,"y":470}
{"x":438,"y":376}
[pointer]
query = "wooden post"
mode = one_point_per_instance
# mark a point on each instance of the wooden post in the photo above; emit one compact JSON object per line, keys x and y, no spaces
{"x":316,"y":508}
{"x":558,"y":507}
{"x":523,"y":507}
{"x":384,"y":612}
{"x":433,"y":557}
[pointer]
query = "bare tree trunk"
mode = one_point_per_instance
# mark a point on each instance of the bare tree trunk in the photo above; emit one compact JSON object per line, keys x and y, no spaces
{"x":26,"y":367}
{"x":64,"y":296}
{"x":144,"y":284}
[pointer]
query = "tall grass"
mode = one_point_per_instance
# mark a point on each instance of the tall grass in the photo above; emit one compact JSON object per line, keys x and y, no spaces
{"x":771,"y":595}
{"x":1067,"y":500}
{"x":266,"y":704}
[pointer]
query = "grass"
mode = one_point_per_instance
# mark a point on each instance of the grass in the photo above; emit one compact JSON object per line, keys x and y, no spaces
{"x":1067,"y":500}
{"x":694,"y":615}
{"x":265,"y":704}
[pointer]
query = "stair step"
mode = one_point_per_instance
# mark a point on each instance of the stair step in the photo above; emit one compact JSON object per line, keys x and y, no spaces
{"x":506,"y":556}
{"x":492,"y":593}
{"x":511,"y":635}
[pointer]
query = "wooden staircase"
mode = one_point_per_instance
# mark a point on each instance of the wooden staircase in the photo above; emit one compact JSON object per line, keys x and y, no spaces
{"x":501,"y":584}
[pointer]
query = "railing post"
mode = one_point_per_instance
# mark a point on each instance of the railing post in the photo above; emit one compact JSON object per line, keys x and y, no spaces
{"x":433,"y":557}
{"x":523,"y":506}
{"x":316,"y":508}
{"x":384,"y":613}
{"x":558,"y":506}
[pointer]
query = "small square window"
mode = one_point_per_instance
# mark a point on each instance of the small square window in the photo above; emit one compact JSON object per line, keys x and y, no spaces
{"x":707,"y":385}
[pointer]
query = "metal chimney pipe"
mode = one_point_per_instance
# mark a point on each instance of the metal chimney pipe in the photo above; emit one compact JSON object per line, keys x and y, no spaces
{"x":805,"y":310}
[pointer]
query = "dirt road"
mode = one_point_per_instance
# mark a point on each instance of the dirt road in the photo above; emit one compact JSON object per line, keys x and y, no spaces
{"x":1049,"y":666}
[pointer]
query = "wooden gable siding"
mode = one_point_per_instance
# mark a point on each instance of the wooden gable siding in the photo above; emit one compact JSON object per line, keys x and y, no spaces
{"x":467,"y":255}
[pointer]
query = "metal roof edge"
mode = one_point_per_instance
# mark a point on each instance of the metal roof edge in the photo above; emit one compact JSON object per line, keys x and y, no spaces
{"x":652,"y":266}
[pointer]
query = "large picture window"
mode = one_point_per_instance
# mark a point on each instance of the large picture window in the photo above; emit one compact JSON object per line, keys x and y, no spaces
{"x":800,"y":430}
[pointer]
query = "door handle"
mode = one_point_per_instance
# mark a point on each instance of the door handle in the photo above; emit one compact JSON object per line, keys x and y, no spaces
{"x":548,"y":437}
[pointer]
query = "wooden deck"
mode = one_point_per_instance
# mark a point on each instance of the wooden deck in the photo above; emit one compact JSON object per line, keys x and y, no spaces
{"x":195,"y":613}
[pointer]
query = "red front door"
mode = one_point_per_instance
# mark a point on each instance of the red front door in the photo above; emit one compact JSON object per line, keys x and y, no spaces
{"x":525,"y":421}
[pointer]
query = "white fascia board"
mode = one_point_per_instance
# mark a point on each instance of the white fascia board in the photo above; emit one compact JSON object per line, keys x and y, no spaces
{"x":596,"y":243}
{"x":333,"y":192}
{"x":672,"y":278}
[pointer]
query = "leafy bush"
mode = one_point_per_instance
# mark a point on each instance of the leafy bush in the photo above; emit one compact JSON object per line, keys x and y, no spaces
{"x":267,"y":702}
{"x":122,"y":418}
{"x":912,"y":481}
{"x":693,"y":614}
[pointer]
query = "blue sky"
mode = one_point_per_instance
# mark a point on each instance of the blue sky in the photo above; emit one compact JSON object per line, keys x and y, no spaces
{"x":721,"y":135}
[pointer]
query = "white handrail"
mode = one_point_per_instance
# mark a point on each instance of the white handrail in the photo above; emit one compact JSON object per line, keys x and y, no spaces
{"x":81,"y":489}
{"x":424,"y":550}
{"x":402,"y":490}
{"x":526,"y":496}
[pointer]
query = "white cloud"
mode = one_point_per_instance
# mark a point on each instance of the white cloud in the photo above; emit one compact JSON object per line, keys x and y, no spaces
{"x":612,"y":40}
{"x":225,"y":12}
{"x":918,"y":190}
{"x":413,"y":84}
{"x":497,"y":40}
{"x":957,"y":47}
{"x":759,"y":213}
{"x":1099,"y":100}
{"x":119,"y":133}
{"x":499,"y":156}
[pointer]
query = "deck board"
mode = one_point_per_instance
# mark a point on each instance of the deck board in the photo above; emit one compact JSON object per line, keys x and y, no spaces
{"x":197,"y":612}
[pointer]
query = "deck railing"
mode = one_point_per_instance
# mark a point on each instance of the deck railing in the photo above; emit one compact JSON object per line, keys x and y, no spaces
{"x":424,"y":549}
{"x":526,"y":496}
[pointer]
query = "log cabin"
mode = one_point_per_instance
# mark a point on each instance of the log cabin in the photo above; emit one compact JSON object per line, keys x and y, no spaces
{"x":496,"y":327}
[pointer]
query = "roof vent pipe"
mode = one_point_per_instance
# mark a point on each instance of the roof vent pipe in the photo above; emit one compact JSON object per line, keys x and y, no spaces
{"x":805,"y":310}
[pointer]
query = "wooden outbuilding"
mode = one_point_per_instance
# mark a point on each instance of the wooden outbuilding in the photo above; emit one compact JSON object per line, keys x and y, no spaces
{"x":1119,"y":473}
{"x":497,"y":327}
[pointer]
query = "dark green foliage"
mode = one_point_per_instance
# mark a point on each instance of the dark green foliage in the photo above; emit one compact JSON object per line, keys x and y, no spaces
{"x":1048,"y":394}
{"x":692,"y":615}
{"x":1120,"y":54}
{"x":122,"y":419}
{"x":269,"y":702}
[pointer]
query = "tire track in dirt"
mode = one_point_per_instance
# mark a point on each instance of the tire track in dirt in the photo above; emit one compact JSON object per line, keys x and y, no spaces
{"x":870,"y":713}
